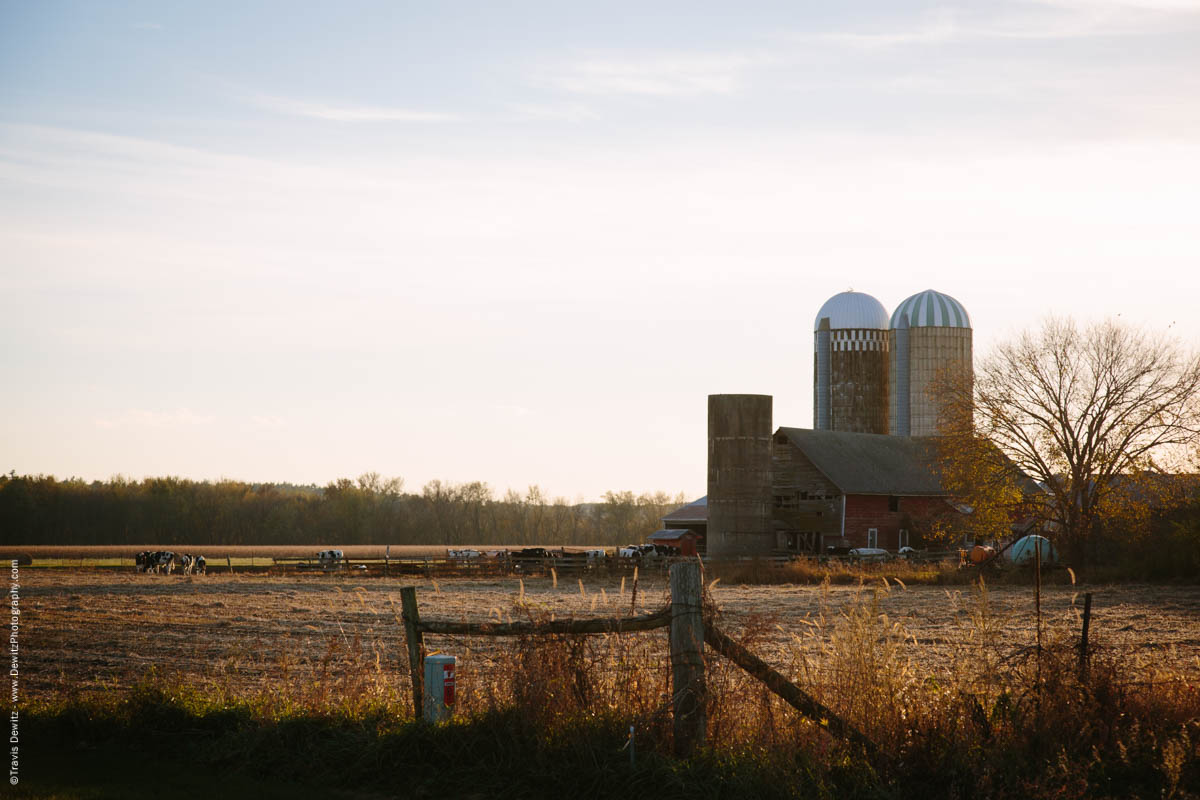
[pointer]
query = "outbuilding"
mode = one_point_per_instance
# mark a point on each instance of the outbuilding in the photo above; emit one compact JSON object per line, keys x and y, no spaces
{"x":685,"y":540}
{"x":692,"y":517}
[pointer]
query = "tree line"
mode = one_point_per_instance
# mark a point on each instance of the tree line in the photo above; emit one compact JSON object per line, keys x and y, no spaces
{"x":372,"y":509}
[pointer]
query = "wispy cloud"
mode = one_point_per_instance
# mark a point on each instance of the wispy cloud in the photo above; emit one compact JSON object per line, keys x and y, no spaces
{"x":731,"y":70}
{"x":569,"y":112}
{"x":142,"y":418}
{"x":1045,"y":20}
{"x":1186,"y":6}
{"x":339,"y":113}
{"x":656,"y":75}
{"x":936,"y":29}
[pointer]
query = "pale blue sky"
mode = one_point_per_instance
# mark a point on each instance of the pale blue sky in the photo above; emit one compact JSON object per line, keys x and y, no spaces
{"x":520,"y":243}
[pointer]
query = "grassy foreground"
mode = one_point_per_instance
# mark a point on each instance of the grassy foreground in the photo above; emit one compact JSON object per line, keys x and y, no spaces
{"x":159,"y":742}
{"x":156,"y":744}
{"x":550,"y":717}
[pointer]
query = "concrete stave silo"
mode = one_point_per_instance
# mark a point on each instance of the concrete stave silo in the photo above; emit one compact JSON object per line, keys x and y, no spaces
{"x":739,"y":474}
{"x":850,"y":365}
{"x":930,"y":340}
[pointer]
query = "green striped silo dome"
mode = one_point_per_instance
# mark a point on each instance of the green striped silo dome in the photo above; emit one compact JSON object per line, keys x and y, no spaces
{"x":930,"y":309}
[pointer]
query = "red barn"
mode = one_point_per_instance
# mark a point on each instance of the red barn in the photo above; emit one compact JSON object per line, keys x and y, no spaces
{"x":836,"y":489}
{"x":692,"y":517}
{"x":685,"y":540}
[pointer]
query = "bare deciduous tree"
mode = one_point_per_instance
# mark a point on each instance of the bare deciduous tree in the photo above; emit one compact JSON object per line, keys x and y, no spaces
{"x":1081,"y":411}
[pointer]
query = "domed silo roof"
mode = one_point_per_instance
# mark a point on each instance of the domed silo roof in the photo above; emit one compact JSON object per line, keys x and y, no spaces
{"x":853,"y":310}
{"x":930,"y":309}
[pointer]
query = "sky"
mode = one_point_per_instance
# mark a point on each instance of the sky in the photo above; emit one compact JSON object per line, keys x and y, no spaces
{"x":521,"y":242}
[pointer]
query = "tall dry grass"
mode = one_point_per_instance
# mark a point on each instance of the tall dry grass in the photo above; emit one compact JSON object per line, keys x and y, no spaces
{"x":809,"y":571}
{"x":814,"y":572}
{"x":985,"y":723}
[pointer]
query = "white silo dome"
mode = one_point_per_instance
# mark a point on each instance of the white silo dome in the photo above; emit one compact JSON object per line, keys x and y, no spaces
{"x":853,"y":310}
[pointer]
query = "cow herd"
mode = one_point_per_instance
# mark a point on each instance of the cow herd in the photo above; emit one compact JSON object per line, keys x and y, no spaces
{"x":592,"y":556}
{"x":648,"y":551}
{"x":525,"y":553}
{"x":468,"y":554}
{"x":164,"y":562}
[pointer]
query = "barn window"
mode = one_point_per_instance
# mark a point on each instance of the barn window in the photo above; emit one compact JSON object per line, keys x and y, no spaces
{"x":893,"y":503}
{"x":872,"y":537}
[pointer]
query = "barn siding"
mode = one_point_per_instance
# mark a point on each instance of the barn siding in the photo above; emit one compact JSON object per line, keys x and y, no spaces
{"x":806,"y":506}
{"x":864,"y":511}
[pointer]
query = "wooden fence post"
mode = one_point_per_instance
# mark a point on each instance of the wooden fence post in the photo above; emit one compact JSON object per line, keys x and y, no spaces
{"x":687,"y":657}
{"x":416,"y":646}
{"x":1083,"y":639}
{"x":1037,"y":594}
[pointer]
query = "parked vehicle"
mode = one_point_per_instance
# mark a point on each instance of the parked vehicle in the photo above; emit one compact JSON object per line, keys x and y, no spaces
{"x":869,"y":554}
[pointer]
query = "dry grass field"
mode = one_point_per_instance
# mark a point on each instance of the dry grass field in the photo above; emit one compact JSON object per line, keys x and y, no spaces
{"x":240,"y":551}
{"x":253,"y":557}
{"x":240,"y":556}
{"x":247,"y":634}
{"x":274,"y":677}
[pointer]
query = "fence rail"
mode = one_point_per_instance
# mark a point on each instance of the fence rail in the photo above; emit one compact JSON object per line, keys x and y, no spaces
{"x":442,"y":566}
{"x":690,"y":630}
{"x":796,"y":697}
{"x":642,"y":622}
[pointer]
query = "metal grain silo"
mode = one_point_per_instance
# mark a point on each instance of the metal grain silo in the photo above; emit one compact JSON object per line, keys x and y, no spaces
{"x":930,"y":339}
{"x":739,"y":475}
{"x":850,"y":365}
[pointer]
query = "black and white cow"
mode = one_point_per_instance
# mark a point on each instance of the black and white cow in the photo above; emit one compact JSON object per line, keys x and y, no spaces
{"x":156,"y":561}
{"x":164,"y":561}
{"x":185,"y":564}
{"x":329,"y":559}
{"x":198,"y":566}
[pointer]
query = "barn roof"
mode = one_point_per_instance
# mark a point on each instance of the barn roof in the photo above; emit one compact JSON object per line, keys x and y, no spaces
{"x":695,"y":511}
{"x":670,"y":535}
{"x":870,"y":463}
